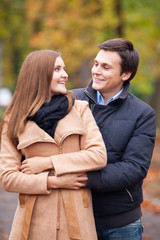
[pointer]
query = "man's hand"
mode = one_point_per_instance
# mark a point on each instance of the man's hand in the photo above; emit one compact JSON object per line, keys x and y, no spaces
{"x":69,"y":181}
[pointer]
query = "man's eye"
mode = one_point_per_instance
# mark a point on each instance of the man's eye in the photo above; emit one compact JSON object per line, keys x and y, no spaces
{"x":106,"y":67}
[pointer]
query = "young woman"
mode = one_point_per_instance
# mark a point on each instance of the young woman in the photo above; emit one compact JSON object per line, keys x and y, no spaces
{"x":59,"y":140}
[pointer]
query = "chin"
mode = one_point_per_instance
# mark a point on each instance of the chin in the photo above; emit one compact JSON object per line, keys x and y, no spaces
{"x":95,"y":86}
{"x":62,"y":92}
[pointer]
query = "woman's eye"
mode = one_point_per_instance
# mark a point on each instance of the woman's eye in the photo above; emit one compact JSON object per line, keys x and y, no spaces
{"x":56,"y":69}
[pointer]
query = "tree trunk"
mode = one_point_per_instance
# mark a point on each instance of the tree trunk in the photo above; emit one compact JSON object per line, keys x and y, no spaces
{"x":119,"y":13}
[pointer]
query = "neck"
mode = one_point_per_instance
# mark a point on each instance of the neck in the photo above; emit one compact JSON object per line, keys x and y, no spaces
{"x":108,"y":95}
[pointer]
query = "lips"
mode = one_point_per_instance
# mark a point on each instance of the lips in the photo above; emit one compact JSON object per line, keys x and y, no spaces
{"x":63,"y":82}
{"x":97,"y":80}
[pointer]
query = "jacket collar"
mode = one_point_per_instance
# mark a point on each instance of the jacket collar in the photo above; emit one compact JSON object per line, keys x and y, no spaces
{"x":70,"y":124}
{"x":92,"y":94}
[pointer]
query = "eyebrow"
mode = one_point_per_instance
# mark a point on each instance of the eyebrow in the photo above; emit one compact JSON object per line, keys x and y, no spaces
{"x":103,"y":63}
{"x":59,"y":66}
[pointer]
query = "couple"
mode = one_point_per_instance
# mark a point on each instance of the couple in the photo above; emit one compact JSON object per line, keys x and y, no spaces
{"x":52,"y":150}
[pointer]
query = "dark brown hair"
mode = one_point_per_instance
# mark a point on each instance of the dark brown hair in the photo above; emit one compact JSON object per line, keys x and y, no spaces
{"x":128,"y":54}
{"x":32,"y":90}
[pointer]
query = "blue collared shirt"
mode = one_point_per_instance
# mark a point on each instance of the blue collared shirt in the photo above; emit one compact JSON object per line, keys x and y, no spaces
{"x":100,"y":98}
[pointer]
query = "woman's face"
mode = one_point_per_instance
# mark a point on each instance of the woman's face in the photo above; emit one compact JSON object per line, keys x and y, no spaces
{"x":59,"y":78}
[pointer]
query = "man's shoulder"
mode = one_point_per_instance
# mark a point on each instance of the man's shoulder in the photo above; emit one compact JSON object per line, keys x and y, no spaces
{"x":80,"y":92}
{"x":138,"y":104}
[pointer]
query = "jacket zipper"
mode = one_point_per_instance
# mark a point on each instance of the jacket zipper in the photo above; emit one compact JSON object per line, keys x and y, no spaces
{"x":89,"y":96}
{"x":129,"y":194}
{"x":92,"y":105}
{"x":60,"y":149}
{"x":59,"y":195}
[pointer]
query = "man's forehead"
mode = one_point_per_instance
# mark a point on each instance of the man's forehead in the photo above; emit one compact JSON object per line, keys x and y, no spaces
{"x":105,"y":57}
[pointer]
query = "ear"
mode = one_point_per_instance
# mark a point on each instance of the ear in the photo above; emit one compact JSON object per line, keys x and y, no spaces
{"x":126,"y":76}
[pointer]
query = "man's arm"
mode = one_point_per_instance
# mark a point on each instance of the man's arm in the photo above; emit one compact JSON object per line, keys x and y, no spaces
{"x":134,"y":164}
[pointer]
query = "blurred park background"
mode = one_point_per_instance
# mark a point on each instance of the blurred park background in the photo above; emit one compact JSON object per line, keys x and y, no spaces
{"x":75,"y":28}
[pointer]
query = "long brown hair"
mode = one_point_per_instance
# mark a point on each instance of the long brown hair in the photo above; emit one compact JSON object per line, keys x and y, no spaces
{"x":32,"y":90}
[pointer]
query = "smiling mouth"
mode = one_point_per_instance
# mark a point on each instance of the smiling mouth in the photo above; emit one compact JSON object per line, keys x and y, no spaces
{"x":63,"y":83}
{"x":98,"y":79}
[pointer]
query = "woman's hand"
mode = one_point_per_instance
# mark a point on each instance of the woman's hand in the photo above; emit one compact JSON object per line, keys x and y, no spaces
{"x":70,"y":181}
{"x":36,"y":165}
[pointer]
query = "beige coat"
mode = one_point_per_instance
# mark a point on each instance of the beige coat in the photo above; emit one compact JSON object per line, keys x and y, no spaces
{"x":54,"y":214}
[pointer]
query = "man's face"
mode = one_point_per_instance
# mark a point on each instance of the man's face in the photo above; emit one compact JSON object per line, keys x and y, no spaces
{"x":106,"y":73}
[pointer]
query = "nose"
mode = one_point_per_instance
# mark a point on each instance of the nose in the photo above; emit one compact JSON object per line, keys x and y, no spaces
{"x":64,"y":74}
{"x":96,"y":69}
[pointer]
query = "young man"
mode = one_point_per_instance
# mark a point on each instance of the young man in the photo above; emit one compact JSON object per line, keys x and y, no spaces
{"x":128,"y":128}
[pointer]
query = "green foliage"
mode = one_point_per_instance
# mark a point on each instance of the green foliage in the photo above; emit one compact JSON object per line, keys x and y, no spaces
{"x":72,"y":27}
{"x":75,"y":28}
{"x":142,"y":21}
{"x":13,"y":39}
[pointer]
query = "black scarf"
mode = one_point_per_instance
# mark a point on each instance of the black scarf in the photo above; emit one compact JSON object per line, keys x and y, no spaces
{"x":50,"y":113}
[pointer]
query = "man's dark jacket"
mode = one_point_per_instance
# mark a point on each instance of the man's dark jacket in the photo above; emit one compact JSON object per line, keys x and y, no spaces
{"x":128,"y":128}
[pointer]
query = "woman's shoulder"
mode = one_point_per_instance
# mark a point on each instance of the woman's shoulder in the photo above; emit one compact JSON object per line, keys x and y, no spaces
{"x":80,"y":105}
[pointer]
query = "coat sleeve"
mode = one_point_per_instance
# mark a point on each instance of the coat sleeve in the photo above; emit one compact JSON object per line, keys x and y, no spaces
{"x":134,"y":164}
{"x":92,"y":155}
{"x":11,"y":179}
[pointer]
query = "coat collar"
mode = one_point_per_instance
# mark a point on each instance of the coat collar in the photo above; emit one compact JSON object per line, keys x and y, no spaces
{"x":92,"y":94}
{"x":70,"y":124}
